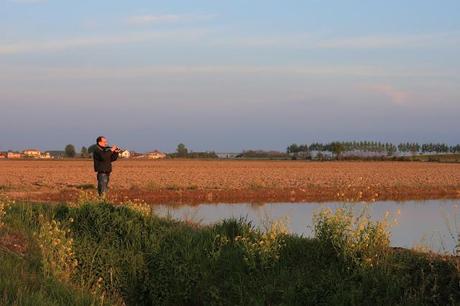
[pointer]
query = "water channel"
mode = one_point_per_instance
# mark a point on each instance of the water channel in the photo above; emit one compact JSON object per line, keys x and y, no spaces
{"x":432,"y":224}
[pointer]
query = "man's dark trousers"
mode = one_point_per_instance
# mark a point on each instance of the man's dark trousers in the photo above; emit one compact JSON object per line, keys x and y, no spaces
{"x":102,"y":183}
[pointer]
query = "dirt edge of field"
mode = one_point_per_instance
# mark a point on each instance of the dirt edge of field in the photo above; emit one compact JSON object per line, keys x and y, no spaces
{"x":261,"y":195}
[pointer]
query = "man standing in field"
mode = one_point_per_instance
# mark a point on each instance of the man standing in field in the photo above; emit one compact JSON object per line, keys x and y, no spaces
{"x":103,"y":157}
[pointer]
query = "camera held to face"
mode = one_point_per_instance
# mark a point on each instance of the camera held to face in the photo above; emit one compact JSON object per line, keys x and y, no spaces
{"x":117,"y":150}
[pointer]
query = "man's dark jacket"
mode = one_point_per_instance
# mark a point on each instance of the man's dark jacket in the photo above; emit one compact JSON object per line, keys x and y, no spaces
{"x":103,"y":159}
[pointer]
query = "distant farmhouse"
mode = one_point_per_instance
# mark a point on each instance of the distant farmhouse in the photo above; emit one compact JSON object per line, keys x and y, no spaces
{"x":13,"y":155}
{"x":46,"y":155}
{"x":125,"y":154}
{"x":149,"y":155}
{"x":155,"y":155}
{"x":32,"y":153}
{"x":35,"y":153}
{"x":227,"y":155}
{"x":28,"y":153}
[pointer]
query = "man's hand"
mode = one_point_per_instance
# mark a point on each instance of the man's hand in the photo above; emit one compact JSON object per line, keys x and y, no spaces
{"x":114,"y":148}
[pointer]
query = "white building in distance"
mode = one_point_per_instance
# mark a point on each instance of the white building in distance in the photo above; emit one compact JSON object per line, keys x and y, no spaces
{"x":125,"y":154}
{"x":34,"y":153}
{"x":155,"y":155}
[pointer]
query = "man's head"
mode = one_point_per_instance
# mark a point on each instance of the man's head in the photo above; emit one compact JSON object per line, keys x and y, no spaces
{"x":101,"y":141}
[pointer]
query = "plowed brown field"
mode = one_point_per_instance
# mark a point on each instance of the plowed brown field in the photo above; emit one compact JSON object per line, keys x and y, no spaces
{"x":192,"y":181}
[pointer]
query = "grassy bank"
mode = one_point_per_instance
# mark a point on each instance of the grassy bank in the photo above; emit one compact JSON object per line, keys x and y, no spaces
{"x":440,"y":158}
{"x":92,"y":253}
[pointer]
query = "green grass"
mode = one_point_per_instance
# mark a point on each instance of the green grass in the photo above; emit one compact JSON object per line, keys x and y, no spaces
{"x":23,"y":283}
{"x":441,"y":158}
{"x":148,"y":260}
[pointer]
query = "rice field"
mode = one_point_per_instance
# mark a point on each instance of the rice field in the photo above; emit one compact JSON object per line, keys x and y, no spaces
{"x":234,"y":181}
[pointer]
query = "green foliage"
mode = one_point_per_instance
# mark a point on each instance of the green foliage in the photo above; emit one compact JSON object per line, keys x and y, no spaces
{"x":260,"y":154}
{"x":56,"y":249}
{"x":337,"y":148}
{"x":293,"y":148}
{"x":70,"y":151}
{"x":181,"y":150}
{"x":84,"y":152}
{"x":91,"y":149}
{"x":125,"y":254}
{"x":207,"y":155}
{"x":357,"y":240}
{"x":22,"y":283}
{"x":357,"y":148}
{"x":22,"y":277}
{"x":211,"y":155}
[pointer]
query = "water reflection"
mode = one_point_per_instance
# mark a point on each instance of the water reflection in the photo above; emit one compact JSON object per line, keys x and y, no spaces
{"x":433,"y":224}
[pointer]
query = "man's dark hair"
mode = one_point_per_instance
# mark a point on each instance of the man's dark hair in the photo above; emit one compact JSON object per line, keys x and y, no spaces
{"x":98,"y":140}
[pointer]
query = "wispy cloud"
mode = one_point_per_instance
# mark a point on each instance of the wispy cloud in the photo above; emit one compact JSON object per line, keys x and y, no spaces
{"x":390,"y":41}
{"x":219,"y":39}
{"x":166,"y":18}
{"x":94,"y":41}
{"x":27,"y":1}
{"x":344,"y":71}
{"x":321,"y":41}
{"x":289,"y":41}
{"x":396,"y":96}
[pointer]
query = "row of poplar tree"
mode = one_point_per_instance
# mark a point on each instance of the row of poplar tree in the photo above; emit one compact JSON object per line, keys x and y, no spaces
{"x":373,"y":146}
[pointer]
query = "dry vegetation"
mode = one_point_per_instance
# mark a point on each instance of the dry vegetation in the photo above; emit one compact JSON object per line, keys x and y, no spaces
{"x":234,"y":181}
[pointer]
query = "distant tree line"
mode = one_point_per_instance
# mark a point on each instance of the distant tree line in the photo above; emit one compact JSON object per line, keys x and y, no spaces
{"x":70,"y":151}
{"x":372,"y":146}
{"x":262,"y":154}
{"x":183,"y":152}
{"x":338,"y":148}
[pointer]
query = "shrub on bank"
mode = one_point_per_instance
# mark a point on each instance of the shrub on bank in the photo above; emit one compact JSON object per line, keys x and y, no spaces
{"x":131,"y":256}
{"x":355,"y":239}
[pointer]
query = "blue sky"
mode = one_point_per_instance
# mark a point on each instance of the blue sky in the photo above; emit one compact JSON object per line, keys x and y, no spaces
{"x":227,"y":75}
